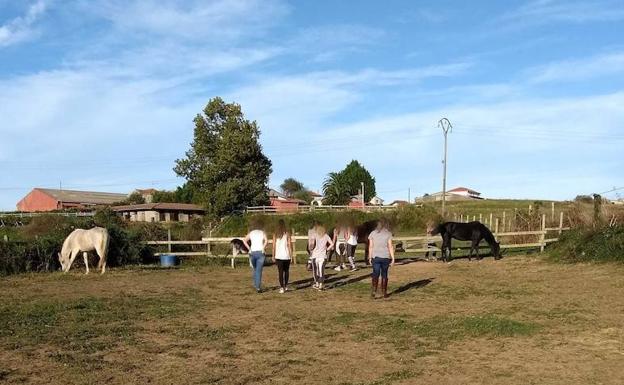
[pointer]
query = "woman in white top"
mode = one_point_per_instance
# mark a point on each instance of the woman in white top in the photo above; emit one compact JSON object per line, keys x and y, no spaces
{"x":255,"y":242}
{"x":322,"y":243}
{"x":282,"y":252}
{"x":351,"y":245}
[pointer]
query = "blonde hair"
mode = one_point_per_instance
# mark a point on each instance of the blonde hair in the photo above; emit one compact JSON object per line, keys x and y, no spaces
{"x":320,"y":230}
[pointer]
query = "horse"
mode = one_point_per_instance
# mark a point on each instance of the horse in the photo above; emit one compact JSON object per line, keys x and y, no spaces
{"x":362,"y":232}
{"x":238,"y":247}
{"x":471,"y":231}
{"x":84,"y":240}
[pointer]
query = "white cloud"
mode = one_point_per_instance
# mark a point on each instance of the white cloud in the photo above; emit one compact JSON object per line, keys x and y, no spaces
{"x":547,"y":11}
{"x":22,"y":28}
{"x":576,"y":70}
{"x":209,"y":21}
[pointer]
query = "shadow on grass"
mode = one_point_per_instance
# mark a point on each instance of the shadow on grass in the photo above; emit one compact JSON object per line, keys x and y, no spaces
{"x":412,"y":285}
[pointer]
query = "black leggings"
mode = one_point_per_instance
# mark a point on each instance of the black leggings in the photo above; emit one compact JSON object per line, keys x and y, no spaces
{"x":282,"y":270}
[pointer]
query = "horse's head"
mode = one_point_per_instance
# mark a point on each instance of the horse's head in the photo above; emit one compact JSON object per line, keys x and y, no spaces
{"x":433,"y":229}
{"x":64,"y":260}
{"x":496,"y":250}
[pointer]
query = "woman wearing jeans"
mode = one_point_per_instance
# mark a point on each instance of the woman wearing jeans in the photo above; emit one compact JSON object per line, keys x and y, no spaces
{"x":381,"y":256}
{"x":256,"y":241}
{"x":282,"y":252}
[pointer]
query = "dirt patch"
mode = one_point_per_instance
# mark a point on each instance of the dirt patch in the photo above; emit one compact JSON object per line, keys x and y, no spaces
{"x":516,"y":321}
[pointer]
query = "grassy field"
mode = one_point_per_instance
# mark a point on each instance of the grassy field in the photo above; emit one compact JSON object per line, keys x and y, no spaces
{"x":520,"y":320}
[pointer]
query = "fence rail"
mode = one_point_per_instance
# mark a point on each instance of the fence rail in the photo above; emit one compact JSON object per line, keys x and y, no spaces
{"x":411,"y":244}
{"x":38,"y":214}
{"x":314,"y":208}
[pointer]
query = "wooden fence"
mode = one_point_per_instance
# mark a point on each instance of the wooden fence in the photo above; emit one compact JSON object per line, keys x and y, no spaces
{"x":411,"y":244}
{"x":38,"y":214}
{"x":314,"y":208}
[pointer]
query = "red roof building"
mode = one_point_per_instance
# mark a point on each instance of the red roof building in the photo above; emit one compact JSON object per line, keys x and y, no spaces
{"x":45,"y":199}
{"x":281,"y":203}
{"x":463,"y":191}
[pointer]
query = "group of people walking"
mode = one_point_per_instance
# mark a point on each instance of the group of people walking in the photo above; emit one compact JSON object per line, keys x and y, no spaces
{"x":321,"y":246}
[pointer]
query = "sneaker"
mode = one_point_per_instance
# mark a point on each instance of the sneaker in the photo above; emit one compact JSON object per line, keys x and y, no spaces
{"x":337,"y":268}
{"x":281,"y":290}
{"x":320,"y":286}
{"x":286,"y":289}
{"x":354,"y":268}
{"x":343,"y":266}
{"x":258,"y":291}
{"x":315,"y":285}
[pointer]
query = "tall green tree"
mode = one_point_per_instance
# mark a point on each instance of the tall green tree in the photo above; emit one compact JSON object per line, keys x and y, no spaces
{"x":354,"y":175}
{"x":290,"y":186}
{"x":339,"y":187}
{"x":225,"y":165}
{"x":182,"y":194}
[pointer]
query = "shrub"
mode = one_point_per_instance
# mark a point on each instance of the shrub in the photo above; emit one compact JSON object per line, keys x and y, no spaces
{"x":595,"y":244}
{"x":35,"y":247}
{"x":403,"y":219}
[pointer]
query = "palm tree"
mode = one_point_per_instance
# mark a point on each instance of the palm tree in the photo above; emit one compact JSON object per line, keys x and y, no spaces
{"x":336,"y":189}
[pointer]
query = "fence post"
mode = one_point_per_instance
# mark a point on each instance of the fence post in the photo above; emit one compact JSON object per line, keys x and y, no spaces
{"x":293,"y":242}
{"x":560,"y":222}
{"x":552,"y":211}
{"x":480,"y":217}
{"x":169,"y":240}
{"x":461,"y":217}
{"x":503,"y":221}
{"x":543,"y":236}
{"x":496,"y":227}
{"x":474,"y":218}
{"x":490,"y":223}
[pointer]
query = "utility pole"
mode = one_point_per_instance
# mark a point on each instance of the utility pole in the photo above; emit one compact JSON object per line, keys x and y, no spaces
{"x":362,"y":184}
{"x":409,"y":195}
{"x":446,"y":126}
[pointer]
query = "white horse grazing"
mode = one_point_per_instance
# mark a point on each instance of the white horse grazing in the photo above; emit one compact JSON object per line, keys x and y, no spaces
{"x":85,"y":241}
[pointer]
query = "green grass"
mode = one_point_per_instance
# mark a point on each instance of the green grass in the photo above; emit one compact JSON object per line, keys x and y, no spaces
{"x":435,"y":333}
{"x":82,"y":329}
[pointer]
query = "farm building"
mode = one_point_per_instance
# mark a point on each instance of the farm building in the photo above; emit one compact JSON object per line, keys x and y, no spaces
{"x":458,"y":193}
{"x":376,"y":201}
{"x":44,"y":199}
{"x":317,"y":199}
{"x":282,"y":203}
{"x":399,"y":203}
{"x":147,"y":194}
{"x":159,"y":212}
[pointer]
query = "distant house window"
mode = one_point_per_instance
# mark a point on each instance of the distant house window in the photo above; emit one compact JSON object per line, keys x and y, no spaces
{"x":175,"y":216}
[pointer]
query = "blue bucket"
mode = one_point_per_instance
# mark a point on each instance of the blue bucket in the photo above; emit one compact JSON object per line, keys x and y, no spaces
{"x":169,"y":260}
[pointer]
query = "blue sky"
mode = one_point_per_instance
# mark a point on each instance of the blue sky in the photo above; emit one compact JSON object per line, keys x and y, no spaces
{"x":100,"y":95}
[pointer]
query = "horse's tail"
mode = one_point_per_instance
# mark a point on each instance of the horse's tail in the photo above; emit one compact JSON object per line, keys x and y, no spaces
{"x":104,"y":248}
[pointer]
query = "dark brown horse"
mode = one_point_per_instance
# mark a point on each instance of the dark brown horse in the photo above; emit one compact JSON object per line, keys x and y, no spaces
{"x":471,"y":231}
{"x":362,"y":231}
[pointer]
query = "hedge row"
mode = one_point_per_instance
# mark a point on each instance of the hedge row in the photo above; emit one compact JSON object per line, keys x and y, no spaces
{"x":590,"y":244}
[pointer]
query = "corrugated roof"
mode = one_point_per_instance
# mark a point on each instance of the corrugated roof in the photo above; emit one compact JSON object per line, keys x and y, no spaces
{"x":160,"y":206}
{"x":90,"y":197}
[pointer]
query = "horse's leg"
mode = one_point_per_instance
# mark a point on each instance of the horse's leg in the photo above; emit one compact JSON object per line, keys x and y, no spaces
{"x":72,"y":256}
{"x":102,"y":253}
{"x":85,"y":256}
{"x":446,"y":248}
{"x":477,"y":251}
